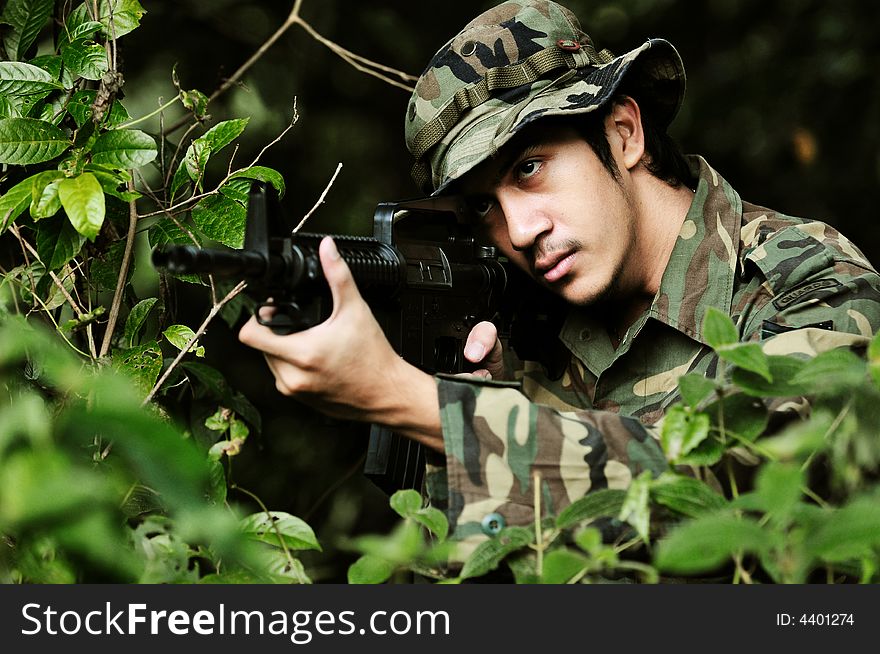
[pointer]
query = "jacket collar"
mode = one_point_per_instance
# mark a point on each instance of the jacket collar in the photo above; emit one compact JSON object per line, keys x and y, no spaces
{"x":704,"y":261}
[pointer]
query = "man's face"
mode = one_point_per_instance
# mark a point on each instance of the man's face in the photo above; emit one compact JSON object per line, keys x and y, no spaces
{"x":553,"y":209}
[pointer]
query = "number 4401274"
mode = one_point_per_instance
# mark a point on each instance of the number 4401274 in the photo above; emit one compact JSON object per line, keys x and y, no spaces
{"x":816,"y":619}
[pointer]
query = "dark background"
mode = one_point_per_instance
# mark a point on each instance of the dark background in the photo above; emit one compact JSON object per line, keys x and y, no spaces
{"x":782,"y":99}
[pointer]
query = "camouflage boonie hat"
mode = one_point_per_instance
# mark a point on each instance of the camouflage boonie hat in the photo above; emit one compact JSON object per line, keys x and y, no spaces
{"x":520,"y":61}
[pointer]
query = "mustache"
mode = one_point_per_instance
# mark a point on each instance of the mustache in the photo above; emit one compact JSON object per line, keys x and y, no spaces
{"x":547,"y":249}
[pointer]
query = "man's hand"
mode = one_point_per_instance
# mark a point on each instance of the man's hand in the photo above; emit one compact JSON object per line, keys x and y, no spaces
{"x":345,"y":366}
{"x":484,"y":348}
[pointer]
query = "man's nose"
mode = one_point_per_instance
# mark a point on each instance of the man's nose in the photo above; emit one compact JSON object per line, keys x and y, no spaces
{"x":525,"y":221}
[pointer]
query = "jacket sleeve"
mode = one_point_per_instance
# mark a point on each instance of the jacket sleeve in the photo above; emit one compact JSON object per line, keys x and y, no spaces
{"x":496,"y":439}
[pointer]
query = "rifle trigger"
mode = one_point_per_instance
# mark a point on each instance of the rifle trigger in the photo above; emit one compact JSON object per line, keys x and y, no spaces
{"x":279,"y":317}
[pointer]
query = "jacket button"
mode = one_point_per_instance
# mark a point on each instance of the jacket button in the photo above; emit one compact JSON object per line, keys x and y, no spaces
{"x":492,"y":524}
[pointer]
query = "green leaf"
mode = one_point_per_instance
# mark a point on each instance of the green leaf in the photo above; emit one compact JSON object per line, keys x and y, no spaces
{"x":682,"y":431}
{"x":434,"y":520}
{"x":589,"y":540}
{"x":295,"y":533}
{"x":603,"y":503}
{"x":19,"y":79}
{"x":778,"y":489}
{"x":111,"y":181}
{"x":195,"y":101}
{"x":45,"y":202}
{"x":695,"y":388}
{"x":223,"y":133}
{"x":117,"y":18}
{"x":180,"y":335}
{"x":743,"y":415}
{"x":83,"y":200}
{"x":686,"y":495}
{"x":747,"y":356}
{"x":44,"y":486}
{"x":852,"y":531}
{"x":707,"y":453}
{"x":221,"y":219}
{"x":124,"y":149}
{"x":8,"y":108}
{"x":80,"y":107}
{"x":82,"y":31}
{"x":800,"y":439}
{"x":783,"y":369}
{"x":28,"y":141}
{"x":136,"y":318}
{"x":180,"y":178}
{"x":719,"y":329}
{"x":262,"y":174}
{"x":406,"y":502}
{"x":636,"y":509}
{"x":57,"y":242}
{"x":54,"y":65}
{"x":702,"y":545}
{"x":14,"y":202}
{"x":26,"y":19}
{"x":831,"y":372}
{"x":280,"y":569}
{"x":237,"y":189}
{"x":195,"y":161}
{"x":561,"y":565}
{"x":490,"y":553}
{"x":142,"y":364}
{"x":105,"y":267}
{"x":86,"y":59}
{"x":369,"y":569}
{"x":210,"y":379}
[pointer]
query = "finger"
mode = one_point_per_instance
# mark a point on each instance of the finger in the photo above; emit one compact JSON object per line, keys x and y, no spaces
{"x":482,"y":341}
{"x":259,"y":337}
{"x":336,"y":272}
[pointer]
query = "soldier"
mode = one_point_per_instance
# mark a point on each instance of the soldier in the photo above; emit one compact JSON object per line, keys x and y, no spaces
{"x":561,"y":152}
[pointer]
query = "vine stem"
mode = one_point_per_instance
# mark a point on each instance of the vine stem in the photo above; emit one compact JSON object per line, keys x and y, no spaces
{"x":123,"y":273}
{"x":360,"y":63}
{"x":199,"y":333}
{"x":271,"y":520}
{"x":157,"y":111}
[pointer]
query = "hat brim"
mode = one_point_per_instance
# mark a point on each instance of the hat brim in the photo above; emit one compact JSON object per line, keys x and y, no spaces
{"x":496,"y":121}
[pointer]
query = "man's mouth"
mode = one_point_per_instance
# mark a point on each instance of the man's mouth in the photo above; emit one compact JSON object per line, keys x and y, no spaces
{"x":555,"y":267}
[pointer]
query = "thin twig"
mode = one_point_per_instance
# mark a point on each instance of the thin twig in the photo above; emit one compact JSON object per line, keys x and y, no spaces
{"x":123,"y":274}
{"x":360,"y":63}
{"x":73,"y":305}
{"x":199,"y":333}
{"x":320,"y":200}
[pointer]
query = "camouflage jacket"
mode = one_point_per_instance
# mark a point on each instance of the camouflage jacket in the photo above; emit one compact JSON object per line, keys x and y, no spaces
{"x":791,"y":284}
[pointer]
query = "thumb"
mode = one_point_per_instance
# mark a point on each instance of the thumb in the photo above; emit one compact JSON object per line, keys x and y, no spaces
{"x":336,"y":272}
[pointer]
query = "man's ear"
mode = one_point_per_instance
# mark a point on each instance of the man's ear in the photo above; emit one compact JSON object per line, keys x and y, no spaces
{"x":625,"y":131}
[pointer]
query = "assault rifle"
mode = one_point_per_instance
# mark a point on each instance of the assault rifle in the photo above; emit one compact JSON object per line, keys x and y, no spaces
{"x":424,"y":276}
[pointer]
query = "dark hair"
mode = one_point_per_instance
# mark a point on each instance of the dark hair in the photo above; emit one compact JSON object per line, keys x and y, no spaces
{"x":663,"y":157}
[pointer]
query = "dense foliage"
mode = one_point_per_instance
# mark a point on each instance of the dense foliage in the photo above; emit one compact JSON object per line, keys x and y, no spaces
{"x":118,"y":435}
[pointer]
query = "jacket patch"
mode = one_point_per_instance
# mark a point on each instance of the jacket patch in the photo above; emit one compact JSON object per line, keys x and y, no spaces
{"x":810,"y":290}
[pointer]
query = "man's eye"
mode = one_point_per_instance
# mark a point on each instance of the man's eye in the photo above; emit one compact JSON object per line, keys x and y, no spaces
{"x":481,"y":207}
{"x":528,"y":169}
